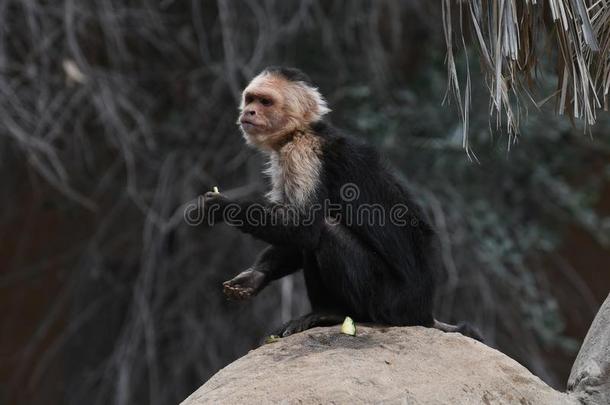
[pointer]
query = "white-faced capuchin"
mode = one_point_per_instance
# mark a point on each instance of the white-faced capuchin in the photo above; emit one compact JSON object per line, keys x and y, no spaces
{"x":376,"y":266}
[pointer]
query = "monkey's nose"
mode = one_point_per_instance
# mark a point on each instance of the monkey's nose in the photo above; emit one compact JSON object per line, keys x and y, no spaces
{"x":250,"y":112}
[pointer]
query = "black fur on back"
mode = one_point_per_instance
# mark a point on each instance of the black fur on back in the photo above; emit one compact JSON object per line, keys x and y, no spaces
{"x":402,"y":278}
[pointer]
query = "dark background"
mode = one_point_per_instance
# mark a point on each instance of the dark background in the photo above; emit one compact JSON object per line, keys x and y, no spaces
{"x":115,"y":114}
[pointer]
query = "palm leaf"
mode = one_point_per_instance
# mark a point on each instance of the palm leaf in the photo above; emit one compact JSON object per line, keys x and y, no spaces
{"x":508,"y":35}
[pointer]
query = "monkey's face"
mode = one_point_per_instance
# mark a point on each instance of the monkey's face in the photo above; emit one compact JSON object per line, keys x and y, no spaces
{"x":273,"y":107}
{"x":263,"y":116}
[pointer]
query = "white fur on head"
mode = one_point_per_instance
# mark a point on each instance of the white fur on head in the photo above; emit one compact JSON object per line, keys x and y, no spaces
{"x":321,"y":107}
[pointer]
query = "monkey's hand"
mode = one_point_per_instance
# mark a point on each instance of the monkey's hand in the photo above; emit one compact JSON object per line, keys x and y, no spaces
{"x":245,"y":285}
{"x":214,"y":205}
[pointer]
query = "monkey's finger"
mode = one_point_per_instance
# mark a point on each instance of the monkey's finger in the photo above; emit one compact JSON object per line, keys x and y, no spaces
{"x":233,"y":283}
{"x":244,"y":292}
{"x":238,"y":293}
{"x":230,"y":289}
{"x":231,"y":292}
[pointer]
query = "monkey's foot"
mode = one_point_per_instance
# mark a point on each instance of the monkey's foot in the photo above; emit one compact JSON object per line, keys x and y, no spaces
{"x":245,"y":285}
{"x":307,"y":322}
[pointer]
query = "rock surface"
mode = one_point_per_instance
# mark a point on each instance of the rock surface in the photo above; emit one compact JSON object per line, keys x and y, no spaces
{"x":590,"y":376}
{"x":410,"y":365}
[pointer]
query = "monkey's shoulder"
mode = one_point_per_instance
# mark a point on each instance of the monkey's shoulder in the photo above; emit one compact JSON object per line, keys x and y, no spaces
{"x":346,"y":159}
{"x":343,"y":149}
{"x":351,"y":165}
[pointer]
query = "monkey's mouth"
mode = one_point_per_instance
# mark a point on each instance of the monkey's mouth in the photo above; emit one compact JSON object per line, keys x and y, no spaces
{"x":247,"y":124}
{"x":246,"y":121}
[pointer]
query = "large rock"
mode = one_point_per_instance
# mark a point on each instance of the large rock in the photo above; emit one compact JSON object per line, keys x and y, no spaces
{"x":590,"y":376}
{"x":410,"y":365}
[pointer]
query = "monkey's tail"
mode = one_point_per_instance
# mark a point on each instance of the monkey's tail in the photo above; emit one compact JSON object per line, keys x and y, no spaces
{"x":462,"y":327}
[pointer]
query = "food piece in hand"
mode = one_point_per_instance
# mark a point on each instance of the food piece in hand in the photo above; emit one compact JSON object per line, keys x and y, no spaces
{"x":348,"y":327}
{"x":215,"y":189}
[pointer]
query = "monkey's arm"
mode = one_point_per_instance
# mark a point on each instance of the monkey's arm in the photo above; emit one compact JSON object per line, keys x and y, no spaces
{"x":276,"y":224}
{"x":274,"y":262}
{"x":279,"y":261}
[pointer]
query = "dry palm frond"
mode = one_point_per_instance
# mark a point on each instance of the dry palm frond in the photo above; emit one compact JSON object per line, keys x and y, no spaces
{"x":508,"y":36}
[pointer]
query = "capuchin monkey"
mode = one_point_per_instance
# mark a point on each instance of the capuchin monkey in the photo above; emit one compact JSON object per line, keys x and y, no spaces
{"x":377,"y":269}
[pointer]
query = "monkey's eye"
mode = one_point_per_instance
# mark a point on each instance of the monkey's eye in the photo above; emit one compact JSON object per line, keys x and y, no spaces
{"x":249,"y":99}
{"x":266,"y":102}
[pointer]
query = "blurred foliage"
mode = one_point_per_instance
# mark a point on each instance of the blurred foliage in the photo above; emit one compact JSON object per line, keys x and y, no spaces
{"x":114,"y":115}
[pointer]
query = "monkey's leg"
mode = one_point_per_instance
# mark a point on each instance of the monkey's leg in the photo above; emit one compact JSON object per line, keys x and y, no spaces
{"x":274,"y":262}
{"x":365,"y":284}
{"x":337,"y":274}
{"x":349,"y":269}
{"x":326,"y":310}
